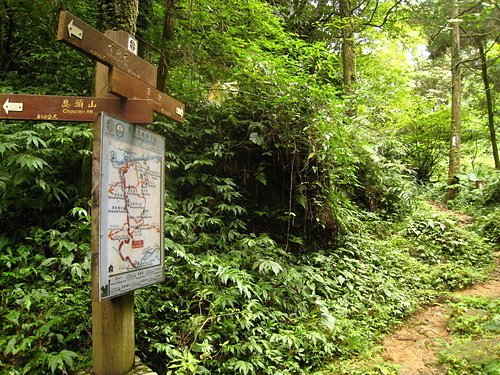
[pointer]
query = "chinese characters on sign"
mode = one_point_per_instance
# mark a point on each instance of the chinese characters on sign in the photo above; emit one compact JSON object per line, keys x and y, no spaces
{"x":73,"y":108}
{"x":127,"y":86}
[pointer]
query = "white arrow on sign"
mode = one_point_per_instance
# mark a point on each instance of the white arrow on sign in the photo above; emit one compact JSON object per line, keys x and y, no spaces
{"x":74,"y":30}
{"x":13,"y":107}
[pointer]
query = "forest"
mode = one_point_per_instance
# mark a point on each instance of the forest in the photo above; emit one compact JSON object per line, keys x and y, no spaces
{"x":337,"y":171}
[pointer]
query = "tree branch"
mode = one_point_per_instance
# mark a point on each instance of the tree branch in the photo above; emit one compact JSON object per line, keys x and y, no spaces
{"x":373,"y":14}
{"x":386,"y":17}
{"x":470,"y":8}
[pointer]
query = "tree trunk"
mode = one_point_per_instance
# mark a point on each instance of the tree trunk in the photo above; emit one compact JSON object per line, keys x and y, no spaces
{"x":119,"y":15}
{"x":168,"y":34}
{"x":456,"y":104}
{"x":489,"y":102}
{"x":348,"y":55}
{"x":143,"y":22}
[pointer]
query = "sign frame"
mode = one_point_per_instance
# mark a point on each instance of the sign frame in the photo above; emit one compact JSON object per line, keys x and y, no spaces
{"x":132,"y":140}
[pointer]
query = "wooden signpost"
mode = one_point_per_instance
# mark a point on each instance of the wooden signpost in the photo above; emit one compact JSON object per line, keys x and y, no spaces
{"x":72,"y":108}
{"x":99,"y":47}
{"x":129,"y":87}
{"x":119,"y":71}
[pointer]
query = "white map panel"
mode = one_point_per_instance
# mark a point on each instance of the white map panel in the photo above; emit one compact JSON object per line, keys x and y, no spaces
{"x":131,"y":210}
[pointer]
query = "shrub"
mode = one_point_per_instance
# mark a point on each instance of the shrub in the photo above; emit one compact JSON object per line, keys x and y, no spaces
{"x":45,"y":296}
{"x":490,"y":227}
{"x":492,"y":190}
{"x":439,"y":240}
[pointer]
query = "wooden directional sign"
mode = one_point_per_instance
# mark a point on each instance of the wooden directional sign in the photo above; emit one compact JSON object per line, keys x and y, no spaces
{"x":72,"y":108}
{"x":126,"y":86}
{"x":97,"y":46}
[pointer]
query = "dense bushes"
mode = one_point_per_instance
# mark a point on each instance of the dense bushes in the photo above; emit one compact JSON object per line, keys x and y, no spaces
{"x":473,"y":346}
{"x":437,"y":241}
{"x":41,"y":174}
{"x":492,"y":189}
{"x":481,"y":202}
{"x":45,"y":299}
{"x":233,"y":302}
{"x":249,"y":307}
{"x":491,"y":227}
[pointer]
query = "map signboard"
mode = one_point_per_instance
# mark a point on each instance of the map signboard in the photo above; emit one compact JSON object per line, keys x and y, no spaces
{"x":131,"y":211}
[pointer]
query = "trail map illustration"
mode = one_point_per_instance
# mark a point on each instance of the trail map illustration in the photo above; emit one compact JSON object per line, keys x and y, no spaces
{"x":131,"y":216}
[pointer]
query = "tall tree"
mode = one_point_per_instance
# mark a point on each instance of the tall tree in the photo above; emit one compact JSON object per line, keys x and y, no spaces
{"x":489,"y":100}
{"x":334,"y":21}
{"x":119,"y":15}
{"x":478,"y":25}
{"x":348,"y":53}
{"x":167,"y":36}
{"x":481,"y":29}
{"x":144,"y":21}
{"x":456,"y":102}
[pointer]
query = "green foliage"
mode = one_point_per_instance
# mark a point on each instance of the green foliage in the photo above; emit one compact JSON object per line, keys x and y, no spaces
{"x":474,"y":317}
{"x":257,"y":309}
{"x":385,"y":182}
{"x":370,"y":362}
{"x":31,"y":60}
{"x":491,"y":227}
{"x":262,"y":119}
{"x":244,"y":310}
{"x":424,"y":127}
{"x":478,"y":194}
{"x":39,"y":171}
{"x":45,"y":298}
{"x":438,"y":239}
{"x":474,"y":325}
{"x":455,"y":252}
{"x":492,"y":190}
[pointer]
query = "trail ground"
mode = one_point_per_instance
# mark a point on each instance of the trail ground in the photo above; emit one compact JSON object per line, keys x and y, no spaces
{"x":415,"y":346}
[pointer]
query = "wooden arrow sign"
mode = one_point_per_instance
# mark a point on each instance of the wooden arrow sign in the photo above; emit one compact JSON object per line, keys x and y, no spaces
{"x":9,"y":106}
{"x":72,"y":108}
{"x":96,"y":45}
{"x":123,"y":85}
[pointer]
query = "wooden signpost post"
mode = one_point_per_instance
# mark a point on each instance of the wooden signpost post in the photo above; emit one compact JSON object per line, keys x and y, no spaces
{"x":125,"y":88}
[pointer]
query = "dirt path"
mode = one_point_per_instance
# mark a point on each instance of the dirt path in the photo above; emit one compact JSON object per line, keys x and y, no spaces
{"x":415,"y":345}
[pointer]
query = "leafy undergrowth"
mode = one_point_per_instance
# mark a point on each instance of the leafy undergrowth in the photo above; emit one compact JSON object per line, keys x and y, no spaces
{"x":258,"y":309}
{"x":370,"y":362}
{"x":45,"y":299}
{"x":467,"y":342}
{"x":244,"y":307}
{"x":457,"y":336}
{"x":474,"y":348}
